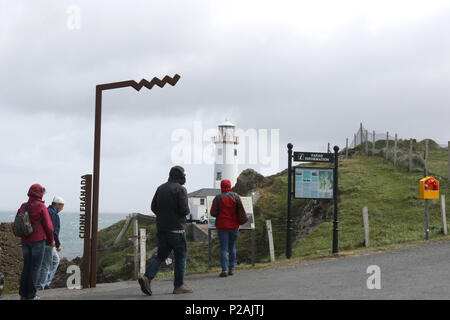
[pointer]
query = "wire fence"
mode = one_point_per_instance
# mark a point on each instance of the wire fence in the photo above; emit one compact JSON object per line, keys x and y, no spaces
{"x":363,"y":134}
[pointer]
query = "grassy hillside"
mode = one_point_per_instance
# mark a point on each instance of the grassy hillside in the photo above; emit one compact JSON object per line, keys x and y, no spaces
{"x":396,"y":214}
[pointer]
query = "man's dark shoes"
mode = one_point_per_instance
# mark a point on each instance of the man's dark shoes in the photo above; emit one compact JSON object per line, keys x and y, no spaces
{"x":230,"y":272}
{"x":183,"y":289}
{"x":145,"y":285}
{"x":223,"y":274}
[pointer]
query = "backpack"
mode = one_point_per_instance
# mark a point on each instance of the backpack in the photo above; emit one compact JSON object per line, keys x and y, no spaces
{"x":242,"y":215}
{"x":22,"y":226}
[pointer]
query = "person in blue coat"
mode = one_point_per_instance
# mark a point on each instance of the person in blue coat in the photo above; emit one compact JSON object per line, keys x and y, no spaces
{"x":51,"y":257}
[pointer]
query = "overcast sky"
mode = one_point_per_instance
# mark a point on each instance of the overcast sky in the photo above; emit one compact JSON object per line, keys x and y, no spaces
{"x":312,"y":69}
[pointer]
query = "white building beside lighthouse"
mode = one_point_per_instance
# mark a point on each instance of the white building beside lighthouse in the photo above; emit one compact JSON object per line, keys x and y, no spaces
{"x":226,"y":157}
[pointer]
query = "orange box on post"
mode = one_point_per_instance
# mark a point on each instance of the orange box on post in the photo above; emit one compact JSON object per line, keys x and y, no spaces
{"x":429,"y":188}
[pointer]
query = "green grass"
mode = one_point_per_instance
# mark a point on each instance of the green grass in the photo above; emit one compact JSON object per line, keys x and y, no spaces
{"x":396,"y":214}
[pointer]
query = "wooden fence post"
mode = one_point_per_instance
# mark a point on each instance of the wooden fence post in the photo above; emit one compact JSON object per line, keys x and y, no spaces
{"x":143,"y":249}
{"x":444,"y":217}
{"x":367,"y":142}
{"x":122,"y":232}
{"x":136,"y":246}
{"x":346,"y":148}
{"x":395,"y":151}
{"x":365,"y":213}
{"x":269,"y":235}
{"x":410,"y":155}
{"x":387,"y":145}
{"x":361,"y":132}
{"x":373,"y":143}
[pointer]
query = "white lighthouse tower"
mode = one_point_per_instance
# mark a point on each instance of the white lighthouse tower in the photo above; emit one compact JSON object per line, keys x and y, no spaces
{"x":226,"y":163}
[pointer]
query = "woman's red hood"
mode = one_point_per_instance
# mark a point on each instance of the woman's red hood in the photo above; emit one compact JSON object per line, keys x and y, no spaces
{"x":225,"y":186}
{"x":36,"y":191}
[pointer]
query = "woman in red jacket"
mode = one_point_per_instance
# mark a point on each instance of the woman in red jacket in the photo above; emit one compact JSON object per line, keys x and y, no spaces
{"x":227,"y":225}
{"x":33,"y":246}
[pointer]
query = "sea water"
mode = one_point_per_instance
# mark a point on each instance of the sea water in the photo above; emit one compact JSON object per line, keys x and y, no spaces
{"x":72,"y":245}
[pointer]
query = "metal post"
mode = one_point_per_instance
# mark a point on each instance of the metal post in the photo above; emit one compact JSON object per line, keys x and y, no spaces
{"x":97,"y":138}
{"x":335,"y":199}
{"x":96,"y":179}
{"x":288,"y":226}
{"x":354,"y":139}
{"x":410,"y":155}
{"x":209,"y":249}
{"x":328,"y":148}
{"x":427,"y":230}
{"x":395,"y":151}
{"x":136,"y":246}
{"x":426,"y":158}
{"x":448,"y":162}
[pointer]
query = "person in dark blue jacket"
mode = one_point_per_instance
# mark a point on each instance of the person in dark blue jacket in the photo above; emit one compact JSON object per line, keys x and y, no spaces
{"x":51,"y":257}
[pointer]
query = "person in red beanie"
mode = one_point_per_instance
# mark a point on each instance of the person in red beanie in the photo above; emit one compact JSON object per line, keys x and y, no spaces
{"x":33,"y":246}
{"x":224,"y":207}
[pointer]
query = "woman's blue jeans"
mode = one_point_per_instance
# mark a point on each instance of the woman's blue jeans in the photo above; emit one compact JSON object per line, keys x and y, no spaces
{"x":33,"y":254}
{"x":228,"y":243}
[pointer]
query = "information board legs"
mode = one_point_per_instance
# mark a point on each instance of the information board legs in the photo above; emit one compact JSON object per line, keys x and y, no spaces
{"x":209,"y":249}
{"x":253,"y":246}
{"x":288,"y":226}
{"x":335,"y":200}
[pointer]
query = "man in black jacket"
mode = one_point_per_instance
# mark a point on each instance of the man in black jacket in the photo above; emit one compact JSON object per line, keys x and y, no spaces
{"x":170,"y":205}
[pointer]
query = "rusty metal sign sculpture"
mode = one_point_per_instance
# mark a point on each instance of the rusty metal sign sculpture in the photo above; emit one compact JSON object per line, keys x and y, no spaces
{"x":85,"y":226}
{"x":90,"y":219}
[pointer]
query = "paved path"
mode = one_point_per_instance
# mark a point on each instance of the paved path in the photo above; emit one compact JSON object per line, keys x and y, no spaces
{"x":416,"y":272}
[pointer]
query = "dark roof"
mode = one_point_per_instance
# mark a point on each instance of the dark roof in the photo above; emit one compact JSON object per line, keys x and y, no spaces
{"x":204,"y":192}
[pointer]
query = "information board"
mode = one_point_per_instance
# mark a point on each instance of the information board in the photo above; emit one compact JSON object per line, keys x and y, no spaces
{"x":313,"y":183}
{"x":248,"y":207}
